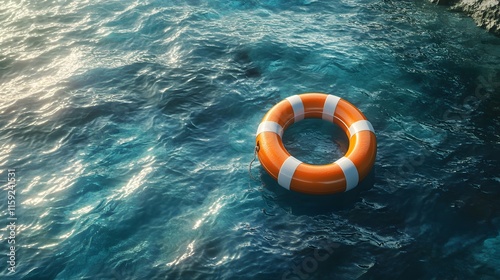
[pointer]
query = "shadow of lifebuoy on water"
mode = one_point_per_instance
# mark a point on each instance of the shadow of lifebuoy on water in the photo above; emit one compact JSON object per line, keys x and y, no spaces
{"x":306,"y":204}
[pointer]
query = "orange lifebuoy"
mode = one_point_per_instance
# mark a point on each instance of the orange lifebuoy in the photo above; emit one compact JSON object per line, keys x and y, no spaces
{"x":292,"y":174}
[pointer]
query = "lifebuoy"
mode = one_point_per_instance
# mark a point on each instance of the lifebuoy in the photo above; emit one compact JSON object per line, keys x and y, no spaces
{"x":292,"y":174}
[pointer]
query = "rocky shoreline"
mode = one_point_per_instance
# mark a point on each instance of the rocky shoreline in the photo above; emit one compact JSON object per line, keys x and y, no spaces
{"x":486,"y":13}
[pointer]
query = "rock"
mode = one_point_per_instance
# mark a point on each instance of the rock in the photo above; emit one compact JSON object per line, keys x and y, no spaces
{"x":486,"y":13}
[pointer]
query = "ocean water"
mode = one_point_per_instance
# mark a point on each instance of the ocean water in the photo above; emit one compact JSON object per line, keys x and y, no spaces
{"x":129,"y":129}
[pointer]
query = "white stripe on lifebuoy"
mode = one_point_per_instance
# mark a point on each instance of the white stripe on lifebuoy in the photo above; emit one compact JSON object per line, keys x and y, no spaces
{"x":330,"y":107}
{"x":297,"y":106}
{"x":360,"y":126}
{"x":350,"y":172}
{"x":286,"y":172}
{"x":270,"y":126}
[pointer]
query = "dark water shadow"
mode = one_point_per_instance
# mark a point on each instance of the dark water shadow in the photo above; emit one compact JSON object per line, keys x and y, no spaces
{"x":305,"y":204}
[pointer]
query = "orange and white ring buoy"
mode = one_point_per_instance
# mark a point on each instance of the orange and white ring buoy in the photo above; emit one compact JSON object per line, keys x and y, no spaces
{"x":292,"y":174}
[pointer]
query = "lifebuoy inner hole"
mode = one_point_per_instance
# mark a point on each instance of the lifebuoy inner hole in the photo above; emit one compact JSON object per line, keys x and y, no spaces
{"x":315,"y":141}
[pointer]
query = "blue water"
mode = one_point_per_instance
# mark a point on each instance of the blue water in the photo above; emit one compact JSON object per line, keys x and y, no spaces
{"x":130,"y":126}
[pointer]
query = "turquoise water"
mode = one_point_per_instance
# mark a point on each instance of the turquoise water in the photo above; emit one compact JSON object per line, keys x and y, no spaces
{"x":130,"y":126}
